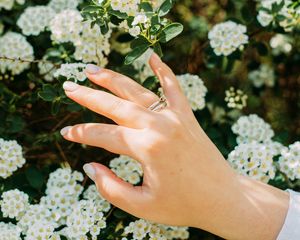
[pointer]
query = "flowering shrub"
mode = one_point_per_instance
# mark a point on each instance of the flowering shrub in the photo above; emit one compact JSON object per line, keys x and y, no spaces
{"x":236,"y":61}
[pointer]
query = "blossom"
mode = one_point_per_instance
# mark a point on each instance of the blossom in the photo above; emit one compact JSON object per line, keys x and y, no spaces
{"x":47,"y":69}
{"x":289,"y":16}
{"x":66,"y":26}
{"x":194,"y":89}
{"x":91,"y":193}
{"x":130,"y":7}
{"x":227,"y":37}
{"x":14,"y":46}
{"x":141,"y":228}
{"x":289,"y":162}
{"x":8,"y":4}
{"x":14,"y":203}
{"x":9,"y":231}
{"x":236,"y":98}
{"x":40,"y":230}
{"x":127,"y":168}
{"x":11,"y":157}
{"x":74,"y":71}
{"x":281,"y":44}
{"x":254,"y":160}
{"x":60,"y":5}
{"x":252,"y":128}
{"x":35,"y":19}
{"x":263,"y":76}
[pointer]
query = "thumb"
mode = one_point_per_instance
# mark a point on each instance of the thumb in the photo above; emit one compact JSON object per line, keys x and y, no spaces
{"x":121,"y":194}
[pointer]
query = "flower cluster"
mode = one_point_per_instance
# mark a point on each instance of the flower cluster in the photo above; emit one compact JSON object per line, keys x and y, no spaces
{"x":263,"y":76}
{"x":130,"y":7}
{"x":90,"y":44}
{"x":227,"y":37}
{"x":236,"y":98}
{"x":281,"y":44}
{"x":11,"y":157}
{"x":141,"y":229}
{"x":9,"y":231}
{"x":8,"y":4}
{"x":253,"y":159}
{"x":71,"y":71}
{"x":59,"y":213}
{"x":14,"y":46}
{"x":289,"y":161}
{"x":47,"y":69}
{"x":195,"y":90}
{"x":252,"y":128}
{"x":60,"y":5}
{"x":14,"y":203}
{"x":286,"y":17}
{"x":127,"y":168}
{"x":34,"y":20}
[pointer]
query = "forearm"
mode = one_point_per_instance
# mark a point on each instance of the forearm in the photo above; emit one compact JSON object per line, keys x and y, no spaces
{"x":247,"y":209}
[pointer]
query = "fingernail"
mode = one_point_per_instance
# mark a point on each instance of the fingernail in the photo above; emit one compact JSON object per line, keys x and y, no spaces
{"x":92,"y":69}
{"x":70,"y":86}
{"x":65,"y":130}
{"x":90,"y":171}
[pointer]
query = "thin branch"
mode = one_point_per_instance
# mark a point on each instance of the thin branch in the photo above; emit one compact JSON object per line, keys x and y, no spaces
{"x":28,"y":61}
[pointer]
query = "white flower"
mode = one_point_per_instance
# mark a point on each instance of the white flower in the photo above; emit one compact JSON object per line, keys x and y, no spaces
{"x":252,"y":128}
{"x":60,"y":5}
{"x":14,"y":46}
{"x":8,"y":4}
{"x":290,"y":15}
{"x":14,"y":203}
{"x":47,"y":69}
{"x":253,"y":159}
{"x":71,"y":71}
{"x":141,"y":18}
{"x":140,"y":229}
{"x":281,"y":43}
{"x":263,"y":76}
{"x":289,"y":162}
{"x":194,"y":89}
{"x":134,"y":31}
{"x":130,"y":7}
{"x":92,"y":45}
{"x":40,"y":230}
{"x":35,"y":19}
{"x":227,"y":37}
{"x":127,"y":168}
{"x":66,"y":26}
{"x":9,"y":231}
{"x":236,"y":98}
{"x":11,"y":157}
{"x":91,"y":193}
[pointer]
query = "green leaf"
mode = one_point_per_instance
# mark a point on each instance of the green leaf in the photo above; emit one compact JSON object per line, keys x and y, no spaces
{"x":48,"y":93}
{"x":34,"y":177}
{"x":170,"y":31}
{"x":55,"y":107}
{"x":136,"y":53}
{"x":117,"y":14}
{"x":146,"y":6}
{"x":165,"y":8}
{"x":157,"y":49}
{"x":140,"y":41}
{"x":91,"y":8}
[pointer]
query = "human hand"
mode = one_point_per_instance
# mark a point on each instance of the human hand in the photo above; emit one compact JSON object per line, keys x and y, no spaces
{"x":186,"y":179}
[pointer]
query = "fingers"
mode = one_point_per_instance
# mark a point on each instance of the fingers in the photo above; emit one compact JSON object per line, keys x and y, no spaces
{"x":121,"y":111}
{"x":169,"y":82}
{"x":121,"y":85}
{"x":118,"y":192}
{"x":114,"y":138}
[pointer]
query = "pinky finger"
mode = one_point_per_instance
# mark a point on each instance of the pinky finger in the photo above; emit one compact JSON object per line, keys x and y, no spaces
{"x":114,"y":138}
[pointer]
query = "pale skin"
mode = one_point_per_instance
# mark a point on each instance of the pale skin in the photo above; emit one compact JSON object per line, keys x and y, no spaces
{"x":187,"y":181}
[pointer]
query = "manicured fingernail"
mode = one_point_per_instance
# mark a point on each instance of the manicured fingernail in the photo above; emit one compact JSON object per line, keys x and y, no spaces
{"x":92,"y":69}
{"x":90,"y":171}
{"x":70,"y":86}
{"x":65,"y":130}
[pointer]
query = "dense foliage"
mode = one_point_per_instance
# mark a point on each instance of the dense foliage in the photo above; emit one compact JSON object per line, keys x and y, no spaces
{"x":236,"y":60}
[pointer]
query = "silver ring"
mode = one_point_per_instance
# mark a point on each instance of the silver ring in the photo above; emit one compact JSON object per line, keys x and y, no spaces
{"x":159,"y":105}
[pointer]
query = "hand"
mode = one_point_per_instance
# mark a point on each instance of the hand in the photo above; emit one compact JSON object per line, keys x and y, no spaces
{"x":186,"y":179}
